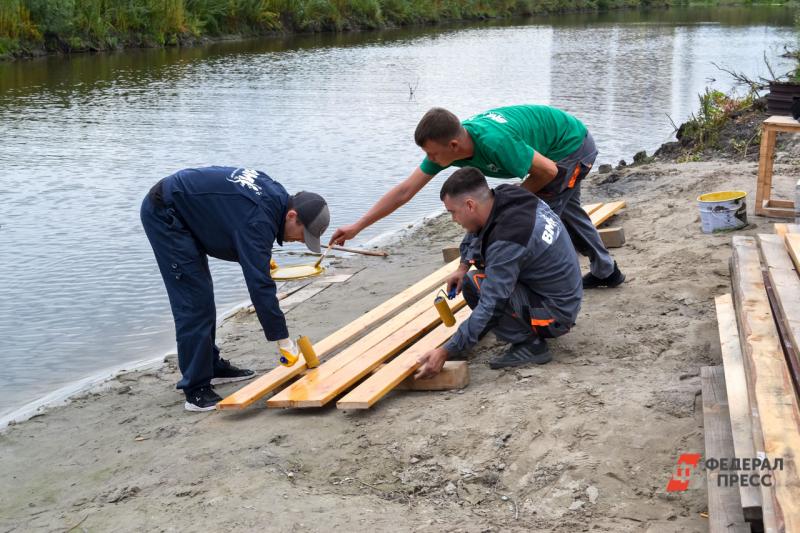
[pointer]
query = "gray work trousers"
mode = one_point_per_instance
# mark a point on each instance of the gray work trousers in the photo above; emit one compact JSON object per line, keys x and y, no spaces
{"x":565,"y":201}
{"x":522,"y":318}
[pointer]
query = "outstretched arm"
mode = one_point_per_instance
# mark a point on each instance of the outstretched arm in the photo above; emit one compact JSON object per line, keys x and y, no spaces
{"x":389,"y":202}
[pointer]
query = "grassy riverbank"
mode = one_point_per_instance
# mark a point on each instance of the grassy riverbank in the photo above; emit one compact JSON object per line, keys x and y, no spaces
{"x":29,"y":27}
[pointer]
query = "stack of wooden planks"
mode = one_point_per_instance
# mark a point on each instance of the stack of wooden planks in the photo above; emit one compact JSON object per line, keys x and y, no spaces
{"x":377,"y":352}
{"x":600,"y":213}
{"x":757,"y":392}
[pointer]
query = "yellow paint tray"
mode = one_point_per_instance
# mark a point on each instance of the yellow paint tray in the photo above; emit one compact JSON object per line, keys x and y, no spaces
{"x":294,"y":272}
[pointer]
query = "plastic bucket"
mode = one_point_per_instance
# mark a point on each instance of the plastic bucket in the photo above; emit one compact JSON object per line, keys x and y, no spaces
{"x":722,"y":211}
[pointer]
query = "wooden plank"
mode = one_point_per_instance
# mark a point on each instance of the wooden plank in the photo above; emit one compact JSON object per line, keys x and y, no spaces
{"x":591,"y":208}
{"x":607,"y":211}
{"x":302,"y":295}
{"x":784,"y":298}
{"x":395,"y":372}
{"x":738,"y":401}
{"x":276,"y":377}
{"x":338,"y":374}
{"x":783,"y":121}
{"x":792,"y":242}
{"x":772,"y":386}
{"x":451,"y":253}
{"x":454,"y":376}
{"x":612,"y":237}
{"x":781,"y":204}
{"x":781,"y":228}
{"x":724,"y":505}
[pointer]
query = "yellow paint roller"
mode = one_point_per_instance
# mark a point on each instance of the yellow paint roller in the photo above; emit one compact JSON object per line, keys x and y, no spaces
{"x":445,"y":313}
{"x":288,"y":358}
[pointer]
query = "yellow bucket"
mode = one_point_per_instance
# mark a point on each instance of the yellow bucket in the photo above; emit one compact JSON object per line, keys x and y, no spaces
{"x":722,"y":211}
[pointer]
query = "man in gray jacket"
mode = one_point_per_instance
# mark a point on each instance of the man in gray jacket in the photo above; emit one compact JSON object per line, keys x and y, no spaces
{"x":527,"y":284}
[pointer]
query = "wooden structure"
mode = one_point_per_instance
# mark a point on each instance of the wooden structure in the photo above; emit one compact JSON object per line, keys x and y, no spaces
{"x":765,"y":204}
{"x":759,"y":333}
{"x":377,"y":352}
{"x":600,"y":213}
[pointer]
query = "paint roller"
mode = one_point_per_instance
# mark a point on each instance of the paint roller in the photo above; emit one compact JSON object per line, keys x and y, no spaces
{"x":288,"y":358}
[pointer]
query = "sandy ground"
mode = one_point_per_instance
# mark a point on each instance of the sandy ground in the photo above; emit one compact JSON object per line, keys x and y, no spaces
{"x":585,"y":443}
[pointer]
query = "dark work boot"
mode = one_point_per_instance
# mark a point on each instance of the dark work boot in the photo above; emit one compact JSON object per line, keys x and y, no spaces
{"x":524,"y":353}
{"x":590,"y":281}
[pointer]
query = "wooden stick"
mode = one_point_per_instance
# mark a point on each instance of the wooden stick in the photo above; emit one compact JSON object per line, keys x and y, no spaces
{"x":376,"y":253}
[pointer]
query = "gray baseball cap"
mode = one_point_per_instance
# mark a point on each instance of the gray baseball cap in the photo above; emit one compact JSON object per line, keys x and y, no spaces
{"x":312,"y":210}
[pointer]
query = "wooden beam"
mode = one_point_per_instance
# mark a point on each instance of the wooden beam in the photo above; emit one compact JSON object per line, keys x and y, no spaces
{"x":395,"y":372}
{"x":724,"y":505}
{"x":451,"y":253}
{"x":454,"y":376}
{"x":338,"y":374}
{"x":591,"y":208}
{"x":774,"y":394}
{"x":737,"y":396}
{"x":784,"y":298}
{"x":607,"y":211}
{"x":612,"y":237}
{"x":792,"y":241}
{"x":276,"y":377}
{"x":765,"y":164}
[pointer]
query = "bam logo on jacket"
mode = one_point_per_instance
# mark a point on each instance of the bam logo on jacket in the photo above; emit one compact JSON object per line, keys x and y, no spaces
{"x":549,"y":233}
{"x":246,"y":178}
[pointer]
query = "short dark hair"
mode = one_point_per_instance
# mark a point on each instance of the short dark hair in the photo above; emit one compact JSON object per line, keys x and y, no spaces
{"x":438,"y":125}
{"x":463,"y":180}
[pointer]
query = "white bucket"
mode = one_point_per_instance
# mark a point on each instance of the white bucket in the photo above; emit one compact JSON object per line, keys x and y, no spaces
{"x":722,"y":211}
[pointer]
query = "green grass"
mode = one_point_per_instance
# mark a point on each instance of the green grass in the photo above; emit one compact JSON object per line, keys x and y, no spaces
{"x":78,"y":25}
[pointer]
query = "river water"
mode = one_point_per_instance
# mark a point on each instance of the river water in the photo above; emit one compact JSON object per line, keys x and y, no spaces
{"x":83,"y":138}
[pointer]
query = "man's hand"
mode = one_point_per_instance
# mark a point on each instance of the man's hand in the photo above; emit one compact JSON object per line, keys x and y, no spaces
{"x":345,"y":233}
{"x":456,"y":279}
{"x":432,"y":363}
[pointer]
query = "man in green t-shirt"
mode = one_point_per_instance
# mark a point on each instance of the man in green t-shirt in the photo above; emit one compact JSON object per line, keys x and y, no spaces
{"x":550,"y":149}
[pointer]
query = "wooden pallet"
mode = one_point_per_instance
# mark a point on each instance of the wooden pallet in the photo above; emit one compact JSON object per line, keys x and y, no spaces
{"x":273,"y":379}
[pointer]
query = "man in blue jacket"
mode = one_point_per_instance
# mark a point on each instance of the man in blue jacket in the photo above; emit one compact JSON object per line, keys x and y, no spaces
{"x":527,"y":285}
{"x":234,"y":214}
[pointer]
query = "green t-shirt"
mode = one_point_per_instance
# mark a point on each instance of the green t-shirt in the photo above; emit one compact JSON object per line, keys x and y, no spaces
{"x":505,"y":139}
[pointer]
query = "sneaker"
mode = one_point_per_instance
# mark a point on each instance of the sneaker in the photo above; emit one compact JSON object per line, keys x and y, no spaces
{"x":590,"y":281}
{"x":225,"y":372}
{"x":524,"y":353}
{"x":201,"y":399}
